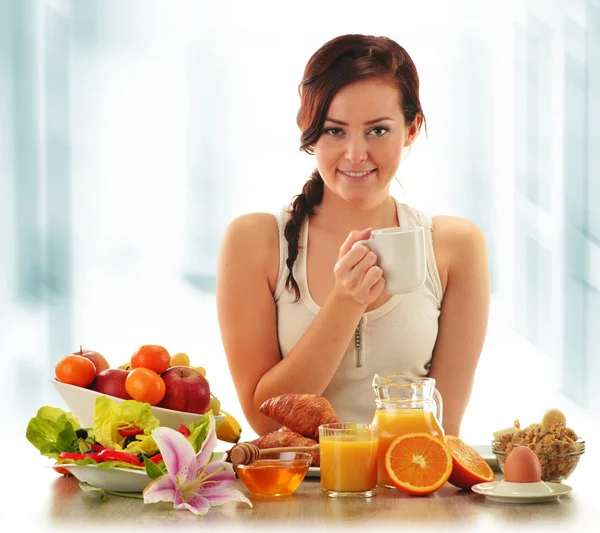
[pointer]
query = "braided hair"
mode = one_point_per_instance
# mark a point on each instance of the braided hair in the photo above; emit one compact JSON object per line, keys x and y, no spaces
{"x":338,"y":63}
{"x":303,"y":205}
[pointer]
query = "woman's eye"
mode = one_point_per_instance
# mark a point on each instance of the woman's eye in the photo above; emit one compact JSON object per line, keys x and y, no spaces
{"x":379,"y":131}
{"x":333,"y":131}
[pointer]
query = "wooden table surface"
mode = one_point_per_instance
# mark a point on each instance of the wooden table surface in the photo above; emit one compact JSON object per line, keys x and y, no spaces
{"x":34,"y":497}
{"x":56,"y":502}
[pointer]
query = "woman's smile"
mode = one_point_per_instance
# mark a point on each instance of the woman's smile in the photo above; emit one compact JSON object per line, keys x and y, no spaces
{"x":357,"y":176}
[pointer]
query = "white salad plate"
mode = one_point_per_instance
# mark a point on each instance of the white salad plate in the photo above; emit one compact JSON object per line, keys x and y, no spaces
{"x":505,"y":492}
{"x":81,"y":402}
{"x":115,"y":479}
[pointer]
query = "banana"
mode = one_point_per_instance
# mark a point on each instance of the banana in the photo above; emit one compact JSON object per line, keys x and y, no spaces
{"x":505,"y":432}
{"x":229,"y":430}
{"x":553,"y":416}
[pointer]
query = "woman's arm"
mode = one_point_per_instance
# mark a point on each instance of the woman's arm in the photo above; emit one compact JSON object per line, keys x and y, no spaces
{"x":248,"y":322}
{"x":464,"y":314}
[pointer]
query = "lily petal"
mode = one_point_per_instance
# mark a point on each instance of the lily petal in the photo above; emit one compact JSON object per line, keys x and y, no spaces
{"x":219,"y":497}
{"x":209,"y":444}
{"x":196,"y":503}
{"x":226,"y":478}
{"x":177,"y":452}
{"x":162,"y":489}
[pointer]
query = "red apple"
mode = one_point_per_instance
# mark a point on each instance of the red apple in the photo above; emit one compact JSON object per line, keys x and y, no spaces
{"x":98,"y":359}
{"x":111,"y":382}
{"x":186,"y":390}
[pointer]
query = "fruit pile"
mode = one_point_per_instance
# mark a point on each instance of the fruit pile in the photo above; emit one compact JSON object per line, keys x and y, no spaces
{"x":151,"y":376}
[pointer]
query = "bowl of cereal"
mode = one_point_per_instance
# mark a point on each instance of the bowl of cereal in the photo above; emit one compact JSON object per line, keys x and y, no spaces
{"x":558,"y":447}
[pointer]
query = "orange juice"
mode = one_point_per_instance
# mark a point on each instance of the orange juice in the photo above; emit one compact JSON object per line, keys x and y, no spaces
{"x":399,"y":422}
{"x":348,"y":462}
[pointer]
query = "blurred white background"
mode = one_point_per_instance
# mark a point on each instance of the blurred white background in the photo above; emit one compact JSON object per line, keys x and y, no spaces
{"x":132,"y":132}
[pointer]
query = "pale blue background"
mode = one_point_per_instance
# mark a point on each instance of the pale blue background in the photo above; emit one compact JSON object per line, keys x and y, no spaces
{"x":132,"y":132}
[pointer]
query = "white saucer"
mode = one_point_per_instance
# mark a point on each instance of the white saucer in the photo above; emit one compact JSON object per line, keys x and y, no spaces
{"x":504,"y":492}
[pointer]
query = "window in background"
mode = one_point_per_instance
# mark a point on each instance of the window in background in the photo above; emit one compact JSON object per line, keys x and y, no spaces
{"x":138,"y":132}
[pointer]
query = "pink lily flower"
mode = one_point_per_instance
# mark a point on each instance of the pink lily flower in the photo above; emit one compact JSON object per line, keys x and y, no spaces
{"x":192,"y":481}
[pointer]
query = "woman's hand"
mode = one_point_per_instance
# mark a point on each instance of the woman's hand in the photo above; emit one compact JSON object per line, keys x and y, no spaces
{"x":357,"y":277}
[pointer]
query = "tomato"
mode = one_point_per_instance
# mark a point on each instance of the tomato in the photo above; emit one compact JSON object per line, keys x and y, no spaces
{"x":62,"y":470}
{"x":129,"y":430}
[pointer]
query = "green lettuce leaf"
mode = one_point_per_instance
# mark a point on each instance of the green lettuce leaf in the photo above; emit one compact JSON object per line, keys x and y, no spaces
{"x":143,"y":444}
{"x":52,"y":431}
{"x":154,"y":470}
{"x":199,"y":431}
{"x":108,"y":417}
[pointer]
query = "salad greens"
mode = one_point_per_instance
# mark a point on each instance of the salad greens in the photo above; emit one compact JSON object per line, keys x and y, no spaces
{"x":53,"y":431}
{"x":121,"y":436}
{"x":109,"y":417}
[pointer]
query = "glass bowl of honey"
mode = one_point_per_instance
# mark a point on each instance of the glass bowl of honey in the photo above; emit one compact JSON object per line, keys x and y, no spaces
{"x":275,"y":473}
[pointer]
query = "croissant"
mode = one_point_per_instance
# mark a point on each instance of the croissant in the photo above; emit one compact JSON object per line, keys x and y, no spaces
{"x":286,"y":438}
{"x":302,"y":413}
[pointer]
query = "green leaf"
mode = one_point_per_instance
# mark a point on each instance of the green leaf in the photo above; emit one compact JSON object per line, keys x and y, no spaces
{"x":86,"y":487}
{"x":153,"y":470}
{"x":52,"y":431}
{"x":199,"y":431}
{"x":108,"y":417}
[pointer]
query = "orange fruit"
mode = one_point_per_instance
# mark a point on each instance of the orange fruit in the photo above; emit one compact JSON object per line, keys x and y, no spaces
{"x":145,"y":385}
{"x":75,"y":370}
{"x":151,"y":356}
{"x":468,"y":467}
{"x":98,"y":359}
{"x":418,"y":463}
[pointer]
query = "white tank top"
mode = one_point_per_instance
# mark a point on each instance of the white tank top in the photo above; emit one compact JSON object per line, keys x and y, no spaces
{"x":396,"y":338}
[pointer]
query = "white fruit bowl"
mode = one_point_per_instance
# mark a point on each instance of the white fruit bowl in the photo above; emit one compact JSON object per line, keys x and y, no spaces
{"x":81,"y":402}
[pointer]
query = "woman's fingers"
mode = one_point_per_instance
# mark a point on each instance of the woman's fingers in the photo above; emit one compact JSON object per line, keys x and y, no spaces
{"x":374,"y":281}
{"x":357,"y":274}
{"x":347,"y":262}
{"x":353,"y":236}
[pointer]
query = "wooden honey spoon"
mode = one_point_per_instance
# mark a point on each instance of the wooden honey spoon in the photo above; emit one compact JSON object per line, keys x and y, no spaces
{"x":245,"y":453}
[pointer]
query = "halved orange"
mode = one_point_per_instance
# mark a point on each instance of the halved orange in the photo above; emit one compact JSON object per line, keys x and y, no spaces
{"x":418,"y":463}
{"x":468,"y":467}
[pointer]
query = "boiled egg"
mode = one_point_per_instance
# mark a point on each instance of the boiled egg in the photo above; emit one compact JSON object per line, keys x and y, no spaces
{"x":522,"y":466}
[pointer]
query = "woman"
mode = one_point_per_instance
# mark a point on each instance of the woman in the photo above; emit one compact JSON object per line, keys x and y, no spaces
{"x":294,"y":295}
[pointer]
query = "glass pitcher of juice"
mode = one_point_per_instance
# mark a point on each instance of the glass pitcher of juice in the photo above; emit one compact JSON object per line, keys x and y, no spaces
{"x":404,"y":405}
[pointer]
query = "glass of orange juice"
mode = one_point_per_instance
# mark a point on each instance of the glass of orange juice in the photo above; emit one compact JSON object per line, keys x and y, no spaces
{"x":348,"y":456}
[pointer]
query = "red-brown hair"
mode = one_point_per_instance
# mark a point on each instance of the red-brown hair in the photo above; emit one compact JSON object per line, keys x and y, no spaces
{"x":338,"y":63}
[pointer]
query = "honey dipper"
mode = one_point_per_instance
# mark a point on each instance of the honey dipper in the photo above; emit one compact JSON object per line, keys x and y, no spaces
{"x":246,"y":453}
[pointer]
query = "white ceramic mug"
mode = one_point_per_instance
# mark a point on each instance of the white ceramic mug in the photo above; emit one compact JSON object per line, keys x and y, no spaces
{"x":401,"y":255}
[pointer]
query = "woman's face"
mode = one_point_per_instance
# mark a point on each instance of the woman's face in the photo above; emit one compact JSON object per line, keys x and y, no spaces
{"x":359,"y":150}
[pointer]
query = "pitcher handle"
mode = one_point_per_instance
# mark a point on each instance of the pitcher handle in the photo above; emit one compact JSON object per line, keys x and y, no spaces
{"x":437,"y":398}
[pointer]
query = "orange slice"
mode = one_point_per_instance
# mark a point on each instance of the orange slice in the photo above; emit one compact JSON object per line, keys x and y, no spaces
{"x":468,"y":467}
{"x":418,"y":463}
